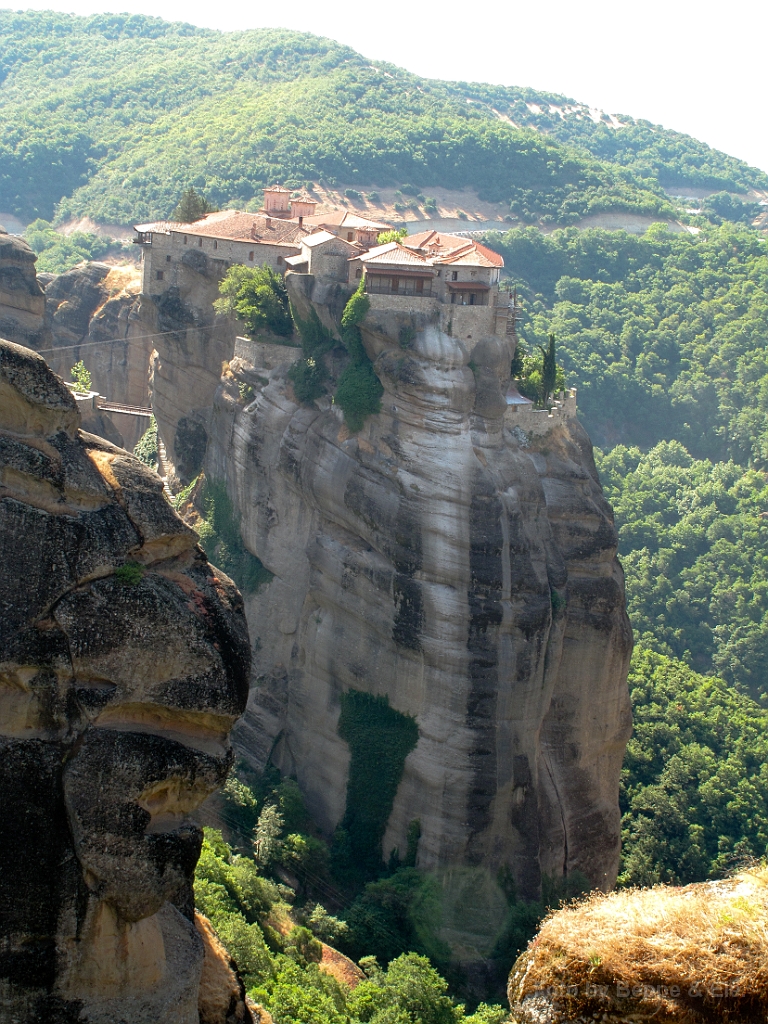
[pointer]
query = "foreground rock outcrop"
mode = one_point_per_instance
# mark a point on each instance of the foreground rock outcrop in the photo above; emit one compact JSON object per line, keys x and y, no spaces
{"x":454,"y":563}
{"x":124,"y":662}
{"x":691,"y":955}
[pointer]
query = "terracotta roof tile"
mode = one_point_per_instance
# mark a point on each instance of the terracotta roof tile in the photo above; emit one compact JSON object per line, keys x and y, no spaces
{"x":394,"y":254}
{"x":345,"y":219}
{"x":455,"y":249}
{"x":471,"y":257}
{"x":319,"y":237}
{"x":241,"y":227}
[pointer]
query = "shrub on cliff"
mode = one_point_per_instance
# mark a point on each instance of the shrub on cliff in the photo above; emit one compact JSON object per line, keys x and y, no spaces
{"x":220,"y":535}
{"x":359,"y":390}
{"x":380,"y":738}
{"x":308,"y":377}
{"x":258,"y":298}
{"x":146,"y":446}
{"x":359,"y":393}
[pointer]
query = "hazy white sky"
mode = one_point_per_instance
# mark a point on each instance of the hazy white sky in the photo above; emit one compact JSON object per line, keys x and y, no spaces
{"x":688,"y":66}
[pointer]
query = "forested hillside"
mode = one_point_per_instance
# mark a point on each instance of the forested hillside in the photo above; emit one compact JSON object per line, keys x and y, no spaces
{"x":112,"y":115}
{"x":666,"y":338}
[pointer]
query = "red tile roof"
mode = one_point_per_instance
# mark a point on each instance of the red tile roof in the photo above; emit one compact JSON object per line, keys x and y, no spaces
{"x":235,"y":226}
{"x":454,"y":249}
{"x":394,"y":254}
{"x":345,"y":219}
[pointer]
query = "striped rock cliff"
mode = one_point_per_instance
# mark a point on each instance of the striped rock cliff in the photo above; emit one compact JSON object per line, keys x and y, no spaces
{"x":459,"y":565}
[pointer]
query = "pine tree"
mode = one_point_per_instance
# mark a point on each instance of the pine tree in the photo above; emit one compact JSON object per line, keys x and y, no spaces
{"x":192,"y":206}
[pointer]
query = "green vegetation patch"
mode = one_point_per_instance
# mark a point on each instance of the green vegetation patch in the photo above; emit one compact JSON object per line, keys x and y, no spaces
{"x":359,"y":390}
{"x":538,"y":377}
{"x":665,"y":335}
{"x":130,"y":574}
{"x":57,"y":253}
{"x":146,"y":446}
{"x":98,"y":114}
{"x":257,"y":296}
{"x":308,"y":377}
{"x":380,"y":738}
{"x":694,"y":789}
{"x":220,"y":537}
{"x":693,"y":540}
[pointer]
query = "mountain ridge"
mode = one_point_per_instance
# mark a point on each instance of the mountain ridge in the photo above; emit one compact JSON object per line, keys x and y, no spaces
{"x":230,"y":112}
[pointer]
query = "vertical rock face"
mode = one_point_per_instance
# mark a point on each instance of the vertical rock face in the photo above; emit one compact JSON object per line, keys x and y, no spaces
{"x":93,"y":312}
{"x":463,"y":569}
{"x":22,"y":302}
{"x":124,"y":662}
{"x":191,"y":343}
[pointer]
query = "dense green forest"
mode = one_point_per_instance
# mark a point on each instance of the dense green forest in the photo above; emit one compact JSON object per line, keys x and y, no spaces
{"x":113,"y":115}
{"x":694,"y":789}
{"x":666,"y":338}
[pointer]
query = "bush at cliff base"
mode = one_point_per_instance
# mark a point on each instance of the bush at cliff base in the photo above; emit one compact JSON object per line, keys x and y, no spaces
{"x":686,"y":955}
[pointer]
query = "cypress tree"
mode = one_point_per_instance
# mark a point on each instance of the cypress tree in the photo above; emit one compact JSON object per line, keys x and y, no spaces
{"x":548,"y":370}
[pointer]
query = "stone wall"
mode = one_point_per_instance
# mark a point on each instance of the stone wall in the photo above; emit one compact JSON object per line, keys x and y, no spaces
{"x":221,"y":254}
{"x":539,"y":422}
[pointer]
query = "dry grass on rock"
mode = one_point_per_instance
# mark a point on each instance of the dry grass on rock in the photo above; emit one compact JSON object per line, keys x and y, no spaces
{"x":684,"y":955}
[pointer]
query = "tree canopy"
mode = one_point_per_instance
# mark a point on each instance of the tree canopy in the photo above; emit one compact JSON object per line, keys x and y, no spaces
{"x":191,"y":207}
{"x":694,"y":788}
{"x":258,"y":297}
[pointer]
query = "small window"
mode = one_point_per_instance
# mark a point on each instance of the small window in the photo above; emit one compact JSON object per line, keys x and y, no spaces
{"x":455,"y":275}
{"x":358,"y":273}
{"x":168,"y":258}
{"x":159,"y":275}
{"x":350,"y":236}
{"x":250,"y":255}
{"x":185,"y":239}
{"x":215,"y":244}
{"x":279,"y":260}
{"x":200,"y":243}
